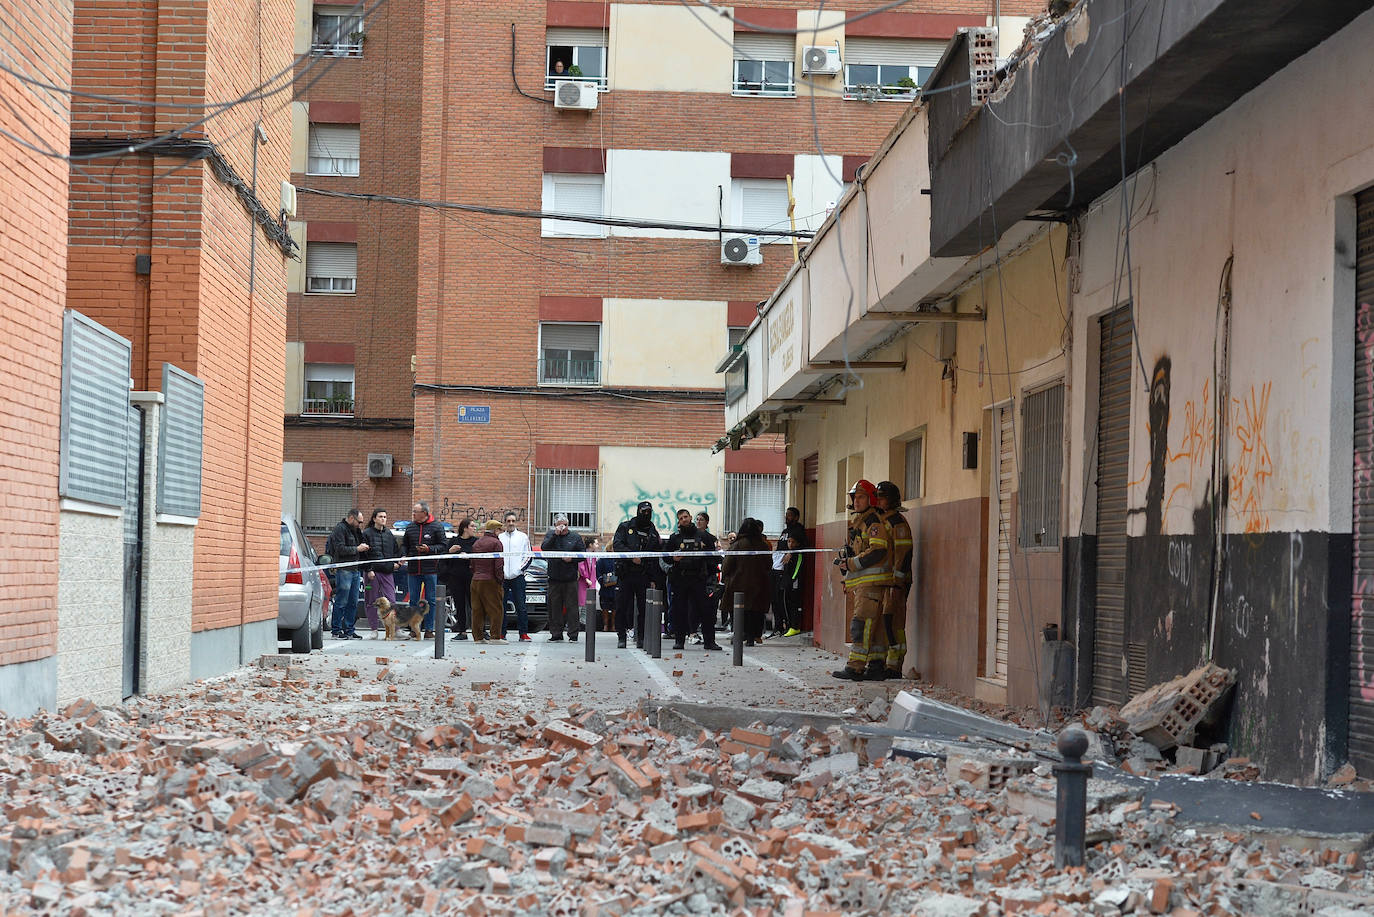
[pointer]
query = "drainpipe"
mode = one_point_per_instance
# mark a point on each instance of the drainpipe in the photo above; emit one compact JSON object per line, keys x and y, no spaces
{"x":259,"y":139}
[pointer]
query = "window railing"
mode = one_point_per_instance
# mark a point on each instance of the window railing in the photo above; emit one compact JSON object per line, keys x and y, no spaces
{"x":337,"y":407}
{"x":327,"y":46}
{"x":570,"y":372}
{"x":872,"y":93}
{"x":552,"y":80}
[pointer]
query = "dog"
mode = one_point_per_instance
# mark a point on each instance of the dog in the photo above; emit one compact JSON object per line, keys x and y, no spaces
{"x":388,"y":613}
{"x":402,"y":615}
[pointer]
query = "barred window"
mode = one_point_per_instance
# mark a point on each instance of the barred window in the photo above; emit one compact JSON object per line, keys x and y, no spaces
{"x":1042,"y":463}
{"x":564,"y":490}
{"x":322,"y":505}
{"x":762,"y":496}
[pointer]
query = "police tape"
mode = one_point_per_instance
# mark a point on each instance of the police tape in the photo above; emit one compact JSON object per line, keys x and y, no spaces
{"x":566,"y":555}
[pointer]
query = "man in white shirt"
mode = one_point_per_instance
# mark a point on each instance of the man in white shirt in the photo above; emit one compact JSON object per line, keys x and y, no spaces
{"x":515,"y":558}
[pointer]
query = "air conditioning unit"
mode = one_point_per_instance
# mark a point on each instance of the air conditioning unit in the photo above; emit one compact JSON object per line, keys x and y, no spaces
{"x":821,"y":59}
{"x":379,"y":465}
{"x":741,"y":250}
{"x":579,"y":94}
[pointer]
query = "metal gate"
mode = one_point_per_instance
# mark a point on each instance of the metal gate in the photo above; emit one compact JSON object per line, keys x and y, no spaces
{"x":1113,"y":450}
{"x":1362,"y":595}
{"x":999,"y":573}
{"x":133,"y":550}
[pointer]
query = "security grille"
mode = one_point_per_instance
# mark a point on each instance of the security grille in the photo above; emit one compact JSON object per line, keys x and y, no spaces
{"x":1042,"y":463}
{"x":1113,"y":458}
{"x":1361,"y":687}
{"x":760,"y":496}
{"x":569,"y":353}
{"x":183,"y":435}
{"x":565,"y":490}
{"x":95,"y":411}
{"x":322,"y":505}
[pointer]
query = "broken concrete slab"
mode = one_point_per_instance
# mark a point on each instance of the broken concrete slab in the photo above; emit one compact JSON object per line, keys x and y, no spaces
{"x":1169,"y":714}
{"x":718,"y":718}
{"x":912,"y":713}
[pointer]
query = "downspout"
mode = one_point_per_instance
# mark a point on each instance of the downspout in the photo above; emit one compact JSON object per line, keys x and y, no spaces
{"x":259,"y":139}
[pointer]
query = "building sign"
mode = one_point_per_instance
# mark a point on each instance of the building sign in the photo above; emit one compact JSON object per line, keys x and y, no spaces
{"x":474,"y":413}
{"x":783,"y":339}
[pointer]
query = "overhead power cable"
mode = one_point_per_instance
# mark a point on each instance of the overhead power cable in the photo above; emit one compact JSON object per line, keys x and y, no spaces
{"x":626,"y":222}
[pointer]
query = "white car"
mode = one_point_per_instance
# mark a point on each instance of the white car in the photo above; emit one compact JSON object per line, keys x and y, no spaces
{"x":301,"y":590}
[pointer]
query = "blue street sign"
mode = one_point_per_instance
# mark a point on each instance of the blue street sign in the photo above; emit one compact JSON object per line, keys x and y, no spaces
{"x":474,"y":413}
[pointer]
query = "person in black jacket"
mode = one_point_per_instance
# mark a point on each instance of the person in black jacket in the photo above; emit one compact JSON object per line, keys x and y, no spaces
{"x":457,"y":576}
{"x":383,"y":549}
{"x":633,"y":574}
{"x":422,"y":537}
{"x":691,"y":569}
{"x":562,"y":591}
{"x":345,"y":545}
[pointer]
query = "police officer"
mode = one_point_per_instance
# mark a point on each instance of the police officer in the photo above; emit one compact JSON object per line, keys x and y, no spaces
{"x":866,"y":564}
{"x":691,"y":571}
{"x":633,"y":574}
{"x":899,"y":586}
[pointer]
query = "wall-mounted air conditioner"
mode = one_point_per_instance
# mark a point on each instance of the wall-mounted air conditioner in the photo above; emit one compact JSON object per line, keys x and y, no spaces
{"x":576,"y":94}
{"x":741,"y":250}
{"x":821,"y":59}
{"x":379,"y":465}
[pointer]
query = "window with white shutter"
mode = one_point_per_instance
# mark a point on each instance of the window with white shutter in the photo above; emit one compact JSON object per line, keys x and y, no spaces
{"x":579,"y":195}
{"x":331,"y":267}
{"x":328,"y":389}
{"x":333,"y":149}
{"x":339,"y":31}
{"x":888,"y":68}
{"x":764,"y":64}
{"x":761,"y":204}
{"x":575,"y":54}
{"x":569,"y":353}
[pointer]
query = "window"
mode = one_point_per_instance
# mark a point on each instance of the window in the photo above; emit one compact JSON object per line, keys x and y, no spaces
{"x":323,"y":505}
{"x":847,"y":471}
{"x":328,"y":389}
{"x":736,"y":337}
{"x":888,"y":68}
{"x":915,"y":459}
{"x":762,"y":496}
{"x":96,"y":423}
{"x":762,"y":203}
{"x":763,"y":64}
{"x":1042,"y":463}
{"x":331,"y":267}
{"x":581,"y":52}
{"x":569,"y":353}
{"x":182,"y":442}
{"x":333,"y":149}
{"x":573,"y":194}
{"x":564,"y":490}
{"x":339,"y":31}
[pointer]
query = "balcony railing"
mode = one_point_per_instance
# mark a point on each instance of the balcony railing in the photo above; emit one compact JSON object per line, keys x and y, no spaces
{"x":570,"y":372}
{"x":329,"y":407}
{"x":328,"y":47}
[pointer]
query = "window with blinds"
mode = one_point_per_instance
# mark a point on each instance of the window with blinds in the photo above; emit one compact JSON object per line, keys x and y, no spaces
{"x":180,"y":446}
{"x":331,"y":267}
{"x":94,"y":441}
{"x":577,"y":54}
{"x":764,"y":64}
{"x":761,"y":204}
{"x":1042,"y":464}
{"x":569,"y":353}
{"x":333,"y":149}
{"x":580,"y":195}
{"x":758,"y":496}
{"x":564,"y":490}
{"x":888,"y":68}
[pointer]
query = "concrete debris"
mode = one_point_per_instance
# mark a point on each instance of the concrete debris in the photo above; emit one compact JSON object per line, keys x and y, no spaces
{"x":1169,"y":714}
{"x":251,"y":796}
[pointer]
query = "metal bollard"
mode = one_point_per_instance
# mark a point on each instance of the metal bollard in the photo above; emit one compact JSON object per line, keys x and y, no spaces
{"x":1071,"y":798}
{"x":440,"y":621}
{"x":653,"y":624}
{"x":737,"y":628}
{"x":589,"y":627}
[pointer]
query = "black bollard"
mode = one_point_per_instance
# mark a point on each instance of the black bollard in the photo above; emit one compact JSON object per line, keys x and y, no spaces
{"x":589,"y":626}
{"x":653,"y":623}
{"x":737,"y":628}
{"x":1071,"y":799}
{"x":440,"y":621}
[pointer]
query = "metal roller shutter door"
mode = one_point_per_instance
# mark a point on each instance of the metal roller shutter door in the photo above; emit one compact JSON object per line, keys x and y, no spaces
{"x":1006,"y":476}
{"x":1113,"y":451}
{"x":1362,"y":596}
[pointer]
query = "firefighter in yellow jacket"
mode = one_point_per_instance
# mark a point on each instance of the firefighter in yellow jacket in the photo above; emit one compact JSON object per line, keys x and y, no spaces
{"x":899,"y":586}
{"x":866,"y":564}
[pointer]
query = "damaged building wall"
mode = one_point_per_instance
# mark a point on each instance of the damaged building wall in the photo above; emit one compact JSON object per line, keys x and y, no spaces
{"x":1241,"y":385}
{"x":949,"y":614}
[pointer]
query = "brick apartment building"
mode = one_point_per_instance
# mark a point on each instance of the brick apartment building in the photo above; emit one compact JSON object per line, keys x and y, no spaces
{"x":491,"y":363}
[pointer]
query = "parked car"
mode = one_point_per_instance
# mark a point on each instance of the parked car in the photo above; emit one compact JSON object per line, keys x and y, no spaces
{"x":536,"y":597}
{"x":301,"y":590}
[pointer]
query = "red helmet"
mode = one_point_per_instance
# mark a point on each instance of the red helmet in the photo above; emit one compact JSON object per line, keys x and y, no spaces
{"x":866,"y":487}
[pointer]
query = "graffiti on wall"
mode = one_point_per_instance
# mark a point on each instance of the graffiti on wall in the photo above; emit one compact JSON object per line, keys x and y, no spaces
{"x":1250,"y":467}
{"x":666,"y":504}
{"x":453,"y":509}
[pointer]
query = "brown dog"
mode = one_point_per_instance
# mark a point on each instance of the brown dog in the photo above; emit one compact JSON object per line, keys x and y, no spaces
{"x":388,"y":613}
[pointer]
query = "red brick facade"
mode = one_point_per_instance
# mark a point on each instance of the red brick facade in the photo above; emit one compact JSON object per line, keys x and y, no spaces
{"x":33,"y":246}
{"x":197,"y":308}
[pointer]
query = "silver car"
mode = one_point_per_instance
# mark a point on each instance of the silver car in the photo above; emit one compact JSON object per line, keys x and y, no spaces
{"x":300,"y":590}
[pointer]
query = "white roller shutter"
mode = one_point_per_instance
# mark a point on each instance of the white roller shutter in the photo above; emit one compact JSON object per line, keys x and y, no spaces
{"x":334,"y":149}
{"x":331,"y":259}
{"x":893,"y":52}
{"x":570,"y":337}
{"x":582,"y":198}
{"x":763,"y":205}
{"x":757,"y":46}
{"x":575,"y":38}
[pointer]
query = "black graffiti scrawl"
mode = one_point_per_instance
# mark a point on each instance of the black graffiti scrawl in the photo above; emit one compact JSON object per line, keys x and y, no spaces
{"x":1159,"y":446}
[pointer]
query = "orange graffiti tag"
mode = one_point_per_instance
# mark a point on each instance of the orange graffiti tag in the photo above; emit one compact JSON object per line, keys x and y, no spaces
{"x":1251,"y":471}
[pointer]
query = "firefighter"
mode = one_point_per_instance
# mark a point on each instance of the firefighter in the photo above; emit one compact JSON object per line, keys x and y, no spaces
{"x":899,"y":586}
{"x":866,"y":564}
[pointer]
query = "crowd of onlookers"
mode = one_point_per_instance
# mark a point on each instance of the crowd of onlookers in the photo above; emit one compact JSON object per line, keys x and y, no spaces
{"x":702,"y":576}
